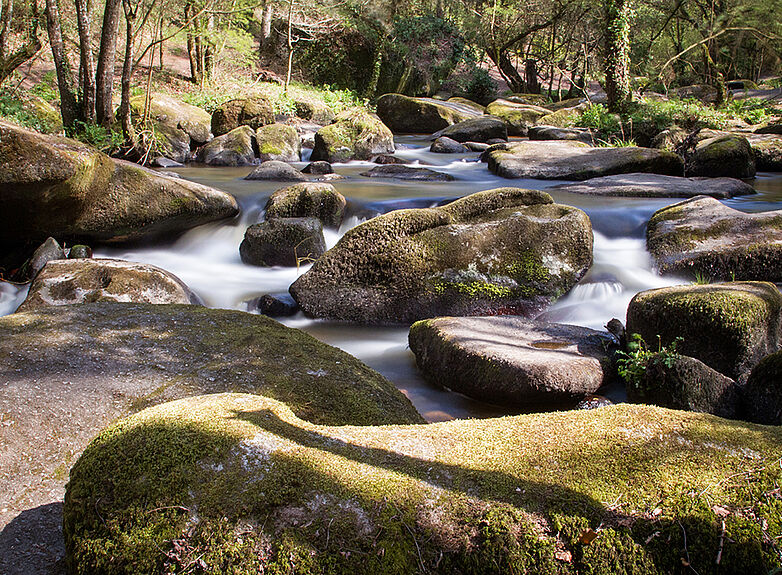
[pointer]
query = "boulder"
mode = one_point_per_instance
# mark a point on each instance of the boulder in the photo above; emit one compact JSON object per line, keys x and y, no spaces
{"x":253,"y":112}
{"x":72,"y":281}
{"x":236,"y":148}
{"x":163,"y":162}
{"x":278,"y":142}
{"x":57,"y":187}
{"x":277,"y":171}
{"x":476,"y":146}
{"x":729,"y":327}
{"x":702,"y":236}
{"x":384,"y":159}
{"x":564,"y":118}
{"x":475,"y":130}
{"x":274,"y":305}
{"x":723,"y":156}
{"x":563,"y":104}
{"x":515,"y":494}
{"x":179,"y":126}
{"x":500,"y":251}
{"x":577,"y":161}
{"x":406,"y":115}
{"x":509,"y":360}
{"x":768,"y":153}
{"x":319,"y":168}
{"x":48,"y":251}
{"x":446,"y":145}
{"x":401,"y":172}
{"x":669,"y":139}
{"x":283,"y":242}
{"x":528,"y":99}
{"x":686,"y":383}
{"x":314,"y":111}
{"x":355,"y":135}
{"x":543,"y":132}
{"x":518,"y":118}
{"x":469,"y":103}
{"x":311,"y":200}
{"x":657,"y":186}
{"x":774,"y":128}
{"x":68,"y":372}
{"x":762,"y":395}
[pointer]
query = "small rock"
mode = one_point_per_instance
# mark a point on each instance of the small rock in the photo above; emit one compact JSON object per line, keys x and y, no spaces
{"x":278,"y":171}
{"x":79,"y":251}
{"x":389,"y":159}
{"x":48,"y":251}
{"x":274,"y":305}
{"x":163,"y":162}
{"x":407,"y":173}
{"x":479,"y":129}
{"x":445,"y":145}
{"x":318,"y":168}
{"x":283,"y":242}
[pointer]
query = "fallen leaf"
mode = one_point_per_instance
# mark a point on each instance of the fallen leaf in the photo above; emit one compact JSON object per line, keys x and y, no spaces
{"x":720,"y":511}
{"x":587,"y":536}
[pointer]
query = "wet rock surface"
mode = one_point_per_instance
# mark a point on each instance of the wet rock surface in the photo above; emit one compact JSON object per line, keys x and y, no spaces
{"x":658,"y":186}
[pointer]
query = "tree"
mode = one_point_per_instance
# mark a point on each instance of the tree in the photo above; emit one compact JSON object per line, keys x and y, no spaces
{"x":14,"y":54}
{"x":616,"y":59}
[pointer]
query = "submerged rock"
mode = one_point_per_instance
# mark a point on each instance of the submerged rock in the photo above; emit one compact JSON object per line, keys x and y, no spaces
{"x":499,"y":251}
{"x":657,"y":186}
{"x":408,"y":173}
{"x":512,"y":361}
{"x":236,"y":148}
{"x":310,"y":200}
{"x":729,"y":327}
{"x":283,"y":242}
{"x":354,"y":135}
{"x":73,"y":281}
{"x":57,"y":187}
{"x":406,"y":115}
{"x":577,"y":161}
{"x":277,"y":171}
{"x":704,"y":237}
{"x":471,"y":496}
{"x":722,"y":156}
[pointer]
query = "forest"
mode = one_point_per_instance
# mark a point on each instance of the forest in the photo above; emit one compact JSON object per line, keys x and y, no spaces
{"x":395,"y":287}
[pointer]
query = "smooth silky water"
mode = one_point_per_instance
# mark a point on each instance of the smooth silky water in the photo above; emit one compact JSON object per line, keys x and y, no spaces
{"x":207,"y":258}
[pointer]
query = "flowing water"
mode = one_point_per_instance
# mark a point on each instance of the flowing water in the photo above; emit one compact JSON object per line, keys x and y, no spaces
{"x":207,"y":258}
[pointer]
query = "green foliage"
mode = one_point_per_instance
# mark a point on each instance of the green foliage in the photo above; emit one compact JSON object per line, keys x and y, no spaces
{"x":632,"y":364}
{"x":107,"y":140}
{"x":597,"y":117}
{"x":471,"y":81}
{"x":751,"y":110}
{"x":47,"y":88}
{"x":14,"y":107}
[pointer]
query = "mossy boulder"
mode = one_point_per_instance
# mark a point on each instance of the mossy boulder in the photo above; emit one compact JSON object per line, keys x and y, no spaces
{"x":469,"y":103}
{"x":569,"y":160}
{"x":277,"y":171}
{"x":283,"y":242}
{"x":401,"y":172}
{"x":702,"y":236}
{"x":58,"y":187}
{"x":172,"y":115}
{"x":528,"y":99}
{"x":65,"y":282}
{"x":238,"y":480}
{"x":728,"y":156}
{"x":500,"y":251}
{"x":481,"y":129}
{"x":236,"y":148}
{"x":729,"y":327}
{"x":517,"y":117}
{"x":406,"y":115}
{"x":543,"y":132}
{"x":310,"y":200}
{"x":768,"y":153}
{"x":762,"y":395}
{"x":313,"y":111}
{"x":563,"y":118}
{"x":657,"y":186}
{"x":253,"y":112}
{"x":354,"y":135}
{"x":669,"y":139}
{"x":48,"y":117}
{"x":278,"y":142}
{"x":513,"y":361}
{"x":682,"y":382}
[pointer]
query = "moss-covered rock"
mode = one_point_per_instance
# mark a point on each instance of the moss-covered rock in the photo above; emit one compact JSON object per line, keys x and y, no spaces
{"x":728,"y":156}
{"x":568,"y":160}
{"x":702,"y":236}
{"x":354,"y":135}
{"x":238,"y":482}
{"x":310,"y":200}
{"x":563,"y":118}
{"x":314,"y":111}
{"x":253,"y":112}
{"x":65,"y":282}
{"x":469,"y":103}
{"x":278,"y":142}
{"x":406,"y":115}
{"x":57,"y":187}
{"x":768,"y":153}
{"x":669,"y":139}
{"x":500,"y":251}
{"x":513,"y":361}
{"x":682,"y":382}
{"x":173,"y":117}
{"x":283,"y":242}
{"x":481,"y":129}
{"x":517,"y":117}
{"x":528,"y":99}
{"x":236,"y":148}
{"x":729,"y":327}
{"x":762,"y":395}
{"x":48,"y":118}
{"x":277,"y":171}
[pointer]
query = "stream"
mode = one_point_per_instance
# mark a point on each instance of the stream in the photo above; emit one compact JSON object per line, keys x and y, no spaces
{"x":207,"y":258}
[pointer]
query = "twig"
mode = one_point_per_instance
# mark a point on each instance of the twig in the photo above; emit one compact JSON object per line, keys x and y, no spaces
{"x":179,"y":507}
{"x":418,"y":549}
{"x":328,"y":532}
{"x":686,"y":551}
{"x":722,"y":542}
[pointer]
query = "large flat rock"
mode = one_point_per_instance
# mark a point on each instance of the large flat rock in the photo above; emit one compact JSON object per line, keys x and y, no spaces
{"x":658,"y":186}
{"x":511,"y":360}
{"x":702,"y":236}
{"x":568,"y":160}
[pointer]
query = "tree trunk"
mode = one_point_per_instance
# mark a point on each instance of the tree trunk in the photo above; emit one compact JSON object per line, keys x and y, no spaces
{"x":69,"y":107}
{"x":507,"y":69}
{"x":127,"y":74}
{"x":30,"y":47}
{"x":531,"y":76}
{"x":266,"y":24}
{"x":290,"y":46}
{"x":192,"y":53}
{"x":104,"y":73}
{"x":616,"y":61}
{"x":86,"y":65}
{"x":377,"y":64}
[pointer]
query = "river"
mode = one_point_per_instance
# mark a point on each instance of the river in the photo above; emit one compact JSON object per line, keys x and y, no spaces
{"x":207,"y":258}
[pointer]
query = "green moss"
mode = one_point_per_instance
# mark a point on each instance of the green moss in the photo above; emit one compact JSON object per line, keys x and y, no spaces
{"x":243,"y":484}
